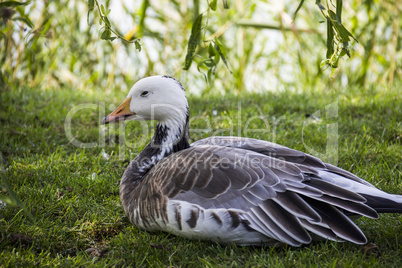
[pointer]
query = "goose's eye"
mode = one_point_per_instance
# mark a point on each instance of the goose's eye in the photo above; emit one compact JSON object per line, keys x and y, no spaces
{"x":144,"y":93}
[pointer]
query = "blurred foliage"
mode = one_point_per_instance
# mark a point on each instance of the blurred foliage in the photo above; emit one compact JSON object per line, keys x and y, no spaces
{"x":234,"y":45}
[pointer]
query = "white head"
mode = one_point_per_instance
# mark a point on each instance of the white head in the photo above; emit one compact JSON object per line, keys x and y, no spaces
{"x":159,"y":98}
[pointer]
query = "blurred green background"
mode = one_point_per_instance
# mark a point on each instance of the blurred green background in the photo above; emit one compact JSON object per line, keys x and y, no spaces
{"x":50,"y":44}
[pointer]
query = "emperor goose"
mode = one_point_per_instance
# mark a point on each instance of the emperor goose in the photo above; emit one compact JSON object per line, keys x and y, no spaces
{"x":235,"y":190}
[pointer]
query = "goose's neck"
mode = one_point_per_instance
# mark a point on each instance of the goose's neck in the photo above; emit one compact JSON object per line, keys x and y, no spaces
{"x":170,"y":136}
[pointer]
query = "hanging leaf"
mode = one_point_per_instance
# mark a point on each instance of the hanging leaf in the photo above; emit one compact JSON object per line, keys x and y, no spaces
{"x":107,"y":22}
{"x":112,"y":38}
{"x":199,"y":66}
{"x":213,"y":4}
{"x":339,"y":4}
{"x":320,"y":6}
{"x":106,"y":34}
{"x":138,"y":46}
{"x":13,"y":3}
{"x":143,"y":13}
{"x":103,"y":10}
{"x":330,"y":39}
{"x":91,"y":5}
{"x":297,"y":9}
{"x":193,"y":41}
{"x":3,"y":36}
{"x":340,"y":29}
{"x":222,"y":52}
{"x":225,"y":4}
{"x":25,"y":20}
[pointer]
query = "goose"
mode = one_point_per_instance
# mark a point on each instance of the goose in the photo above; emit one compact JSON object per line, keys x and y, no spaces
{"x":235,"y":189}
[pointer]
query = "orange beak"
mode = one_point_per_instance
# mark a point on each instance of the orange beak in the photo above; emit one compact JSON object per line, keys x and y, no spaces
{"x":121,"y":113}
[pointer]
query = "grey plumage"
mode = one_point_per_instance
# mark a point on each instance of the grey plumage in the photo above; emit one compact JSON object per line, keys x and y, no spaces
{"x":240,"y":190}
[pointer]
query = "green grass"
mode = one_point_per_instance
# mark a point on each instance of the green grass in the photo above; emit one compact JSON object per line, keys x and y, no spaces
{"x":73,"y":193}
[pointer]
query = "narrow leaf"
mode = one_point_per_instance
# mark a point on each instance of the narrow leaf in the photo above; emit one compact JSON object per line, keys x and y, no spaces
{"x":340,"y":29}
{"x":25,"y":20}
{"x":103,"y":10}
{"x":89,"y":11}
{"x":199,"y":66}
{"x":211,"y":50}
{"x":138,"y":46}
{"x":318,"y":3}
{"x":345,"y":48}
{"x":225,"y":4}
{"x":91,"y":4}
{"x":13,"y":3}
{"x":339,"y":4}
{"x":143,"y":13}
{"x":112,"y":38}
{"x":297,"y":9}
{"x":4,"y":36}
{"x":330,"y":39}
{"x":221,"y":50}
{"x":193,"y":41}
{"x":107,"y":22}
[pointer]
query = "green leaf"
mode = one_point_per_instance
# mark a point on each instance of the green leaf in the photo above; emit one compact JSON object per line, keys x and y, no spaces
{"x":143,"y":13}
{"x":108,"y":11}
{"x":210,"y":73}
{"x":339,"y":28}
{"x":25,"y":20}
{"x":112,"y":38}
{"x":225,"y":4}
{"x":213,"y":4}
{"x":193,"y":41}
{"x":91,"y":4}
{"x":13,"y":3}
{"x":199,"y":66}
{"x":345,"y":48}
{"x":221,"y":50}
{"x":297,"y":9}
{"x":106,"y":34}
{"x":103,"y":10}
{"x":339,"y":4}
{"x":4,"y":36}
{"x":318,"y":3}
{"x":330,"y":39}
{"x":211,"y":50}
{"x":209,"y":63}
{"x":138,"y":46}
{"x":107,"y":22}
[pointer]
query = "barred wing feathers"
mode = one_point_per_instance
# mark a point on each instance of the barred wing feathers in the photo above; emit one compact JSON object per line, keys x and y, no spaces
{"x":282,"y":197}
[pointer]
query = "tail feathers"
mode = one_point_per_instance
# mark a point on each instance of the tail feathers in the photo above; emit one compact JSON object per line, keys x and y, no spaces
{"x":393,"y":204}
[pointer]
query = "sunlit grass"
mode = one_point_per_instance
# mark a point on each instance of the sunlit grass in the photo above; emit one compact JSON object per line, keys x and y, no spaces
{"x":73,"y":192}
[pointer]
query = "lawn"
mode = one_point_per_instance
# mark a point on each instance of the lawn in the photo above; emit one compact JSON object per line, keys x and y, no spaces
{"x":73,"y":192}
